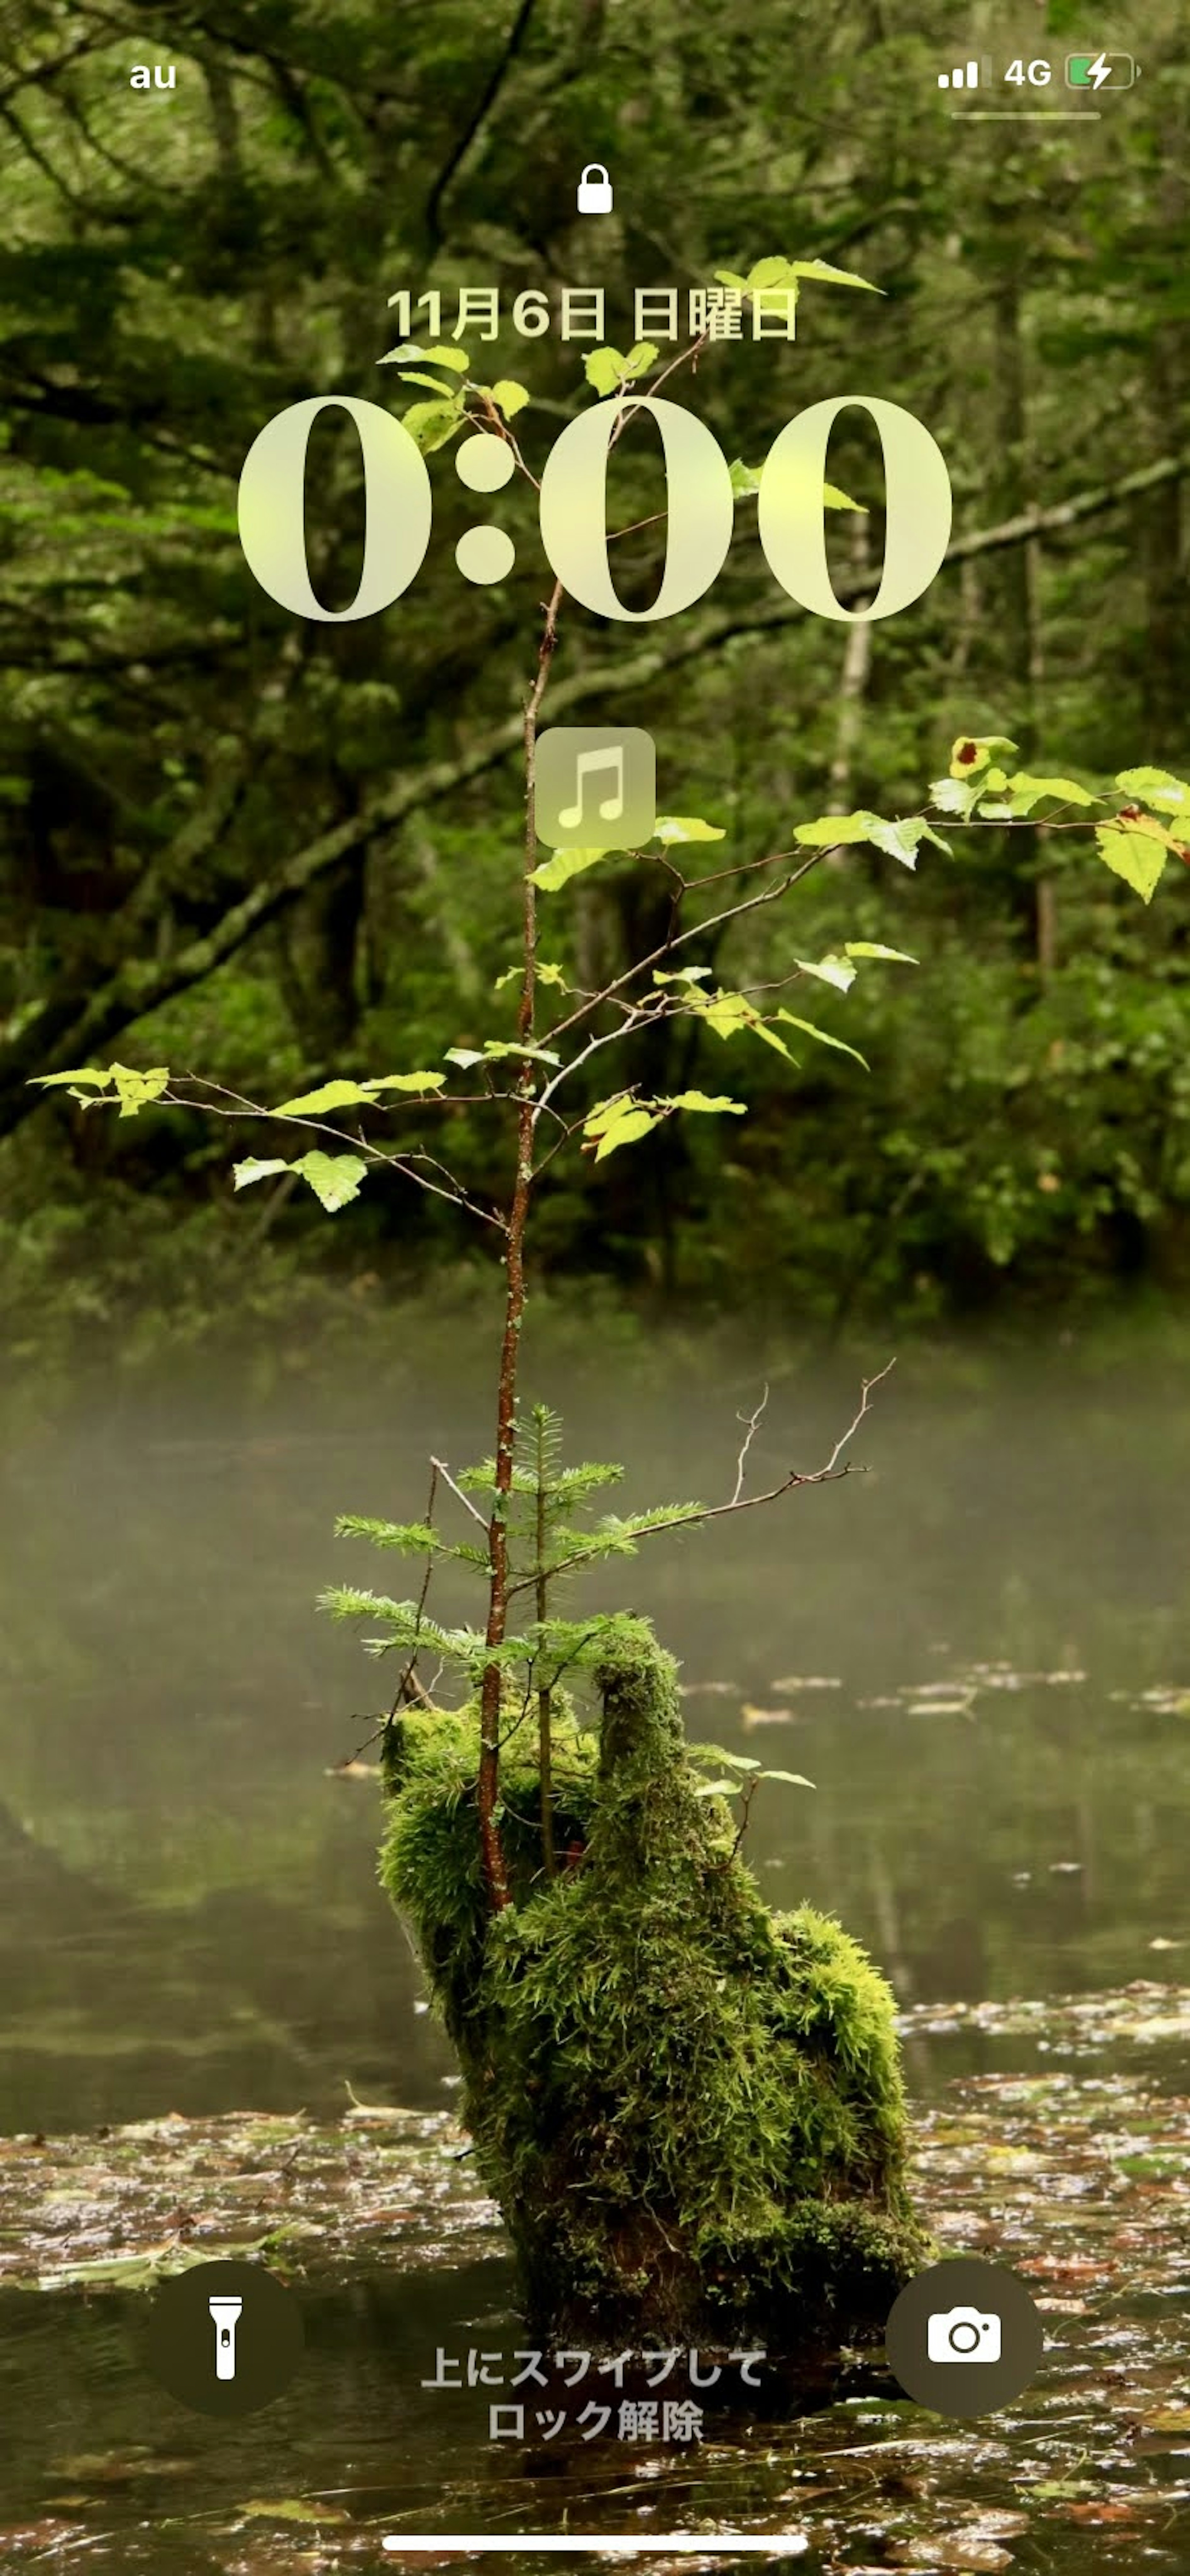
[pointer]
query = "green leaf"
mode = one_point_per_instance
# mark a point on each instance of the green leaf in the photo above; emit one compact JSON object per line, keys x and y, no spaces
{"x":827,"y":829}
{"x":1136,"y":851}
{"x":899,"y":839}
{"x":135,"y":1089}
{"x":545,"y":974}
{"x":728,"y":1013}
{"x":456,"y":359}
{"x":564,"y":865}
{"x":719,"y":1753}
{"x":745,"y":479}
{"x":827,"y":276}
{"x":824,"y":1037}
{"x":410,"y":376}
{"x":1027,"y":792}
{"x":794,"y":1779}
{"x":495,"y":1048}
{"x":682,"y":975}
{"x":829,"y":970}
{"x":717,"y":1789}
{"x":685,"y":827}
{"x":770,"y":272}
{"x":430,"y":424}
{"x":447,"y":354}
{"x":731,"y":277}
{"x":833,"y":499}
{"x":703,"y":1100}
{"x":86,"y":1073}
{"x":973,"y":752}
{"x":875,"y":948}
{"x":639,"y":360}
{"x":626,"y":1128}
{"x":334,"y":1178}
{"x":605,"y":369}
{"x":510,"y":396}
{"x":954,"y":795}
{"x":627,"y":1131}
{"x":341,"y":1094}
{"x":404,"y":1082}
{"x":1157,"y":787}
{"x":619,"y":1104}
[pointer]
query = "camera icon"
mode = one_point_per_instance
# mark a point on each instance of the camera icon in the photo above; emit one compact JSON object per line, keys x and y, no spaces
{"x":962,"y":2334}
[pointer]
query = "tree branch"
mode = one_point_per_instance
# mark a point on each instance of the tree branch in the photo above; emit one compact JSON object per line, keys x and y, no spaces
{"x":832,"y":1473}
{"x":140,"y":985}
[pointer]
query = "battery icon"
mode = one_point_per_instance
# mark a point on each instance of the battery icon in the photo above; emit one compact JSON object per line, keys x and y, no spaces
{"x":1100,"y":71}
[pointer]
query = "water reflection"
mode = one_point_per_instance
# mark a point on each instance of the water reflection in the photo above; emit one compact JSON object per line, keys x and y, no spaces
{"x":188,"y":1911}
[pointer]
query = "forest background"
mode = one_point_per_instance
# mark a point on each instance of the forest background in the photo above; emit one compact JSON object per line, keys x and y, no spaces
{"x":273,"y":850}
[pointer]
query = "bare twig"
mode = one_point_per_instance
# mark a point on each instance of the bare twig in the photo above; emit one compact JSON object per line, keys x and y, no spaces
{"x":407,"y":1676}
{"x":465,"y":1499}
{"x":831,"y":1473}
{"x":753,"y":1422}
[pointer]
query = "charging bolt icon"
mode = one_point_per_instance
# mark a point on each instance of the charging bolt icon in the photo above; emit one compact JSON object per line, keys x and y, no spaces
{"x":1100,"y":71}
{"x":224,"y":2313}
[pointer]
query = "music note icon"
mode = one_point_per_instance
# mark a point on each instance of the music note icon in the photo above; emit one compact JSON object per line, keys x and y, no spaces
{"x":595,"y":786}
{"x":611,"y":807}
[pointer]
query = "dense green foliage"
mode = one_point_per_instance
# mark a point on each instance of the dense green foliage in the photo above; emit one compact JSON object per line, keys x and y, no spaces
{"x":279,"y":852}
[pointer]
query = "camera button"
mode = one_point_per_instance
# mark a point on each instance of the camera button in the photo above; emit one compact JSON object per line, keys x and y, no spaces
{"x":964,"y":2337}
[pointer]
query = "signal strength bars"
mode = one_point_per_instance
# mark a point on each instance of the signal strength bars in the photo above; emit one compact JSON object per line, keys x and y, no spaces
{"x":960,"y":78}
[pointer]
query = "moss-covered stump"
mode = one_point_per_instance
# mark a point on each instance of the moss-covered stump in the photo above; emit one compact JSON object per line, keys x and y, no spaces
{"x":689,"y":2108}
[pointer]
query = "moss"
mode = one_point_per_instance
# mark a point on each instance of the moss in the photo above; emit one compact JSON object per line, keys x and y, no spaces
{"x":689,"y":2108}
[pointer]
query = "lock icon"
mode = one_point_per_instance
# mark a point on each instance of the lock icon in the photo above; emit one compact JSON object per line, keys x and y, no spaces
{"x":594,"y":190}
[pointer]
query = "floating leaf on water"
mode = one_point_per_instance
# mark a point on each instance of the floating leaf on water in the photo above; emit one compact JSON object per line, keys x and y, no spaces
{"x":952,"y":2550}
{"x":290,"y":2509}
{"x":1106,"y":2509}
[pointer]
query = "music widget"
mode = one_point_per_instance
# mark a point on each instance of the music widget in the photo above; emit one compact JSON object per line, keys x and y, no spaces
{"x":596,"y":787}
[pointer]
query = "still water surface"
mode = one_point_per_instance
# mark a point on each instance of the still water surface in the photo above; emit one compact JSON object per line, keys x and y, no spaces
{"x":980,"y":1647}
{"x":979,"y":1651}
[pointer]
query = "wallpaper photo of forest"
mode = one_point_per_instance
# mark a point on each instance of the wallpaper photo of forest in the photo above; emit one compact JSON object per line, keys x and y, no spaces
{"x":541,"y":1993}
{"x":273,"y":851}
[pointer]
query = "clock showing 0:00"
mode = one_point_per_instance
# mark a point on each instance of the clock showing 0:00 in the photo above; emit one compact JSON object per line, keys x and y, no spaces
{"x":701,"y":509}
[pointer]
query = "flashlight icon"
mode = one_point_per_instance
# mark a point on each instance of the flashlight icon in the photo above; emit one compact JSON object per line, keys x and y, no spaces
{"x":224,"y":2313}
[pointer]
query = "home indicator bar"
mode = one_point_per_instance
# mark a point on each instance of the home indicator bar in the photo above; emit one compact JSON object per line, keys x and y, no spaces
{"x":691,"y":2544}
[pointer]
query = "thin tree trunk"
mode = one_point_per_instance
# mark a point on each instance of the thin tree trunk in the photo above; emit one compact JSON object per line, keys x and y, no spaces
{"x":544,"y":1706}
{"x":853,"y":687}
{"x":1045,"y":895}
{"x":491,"y":1696}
